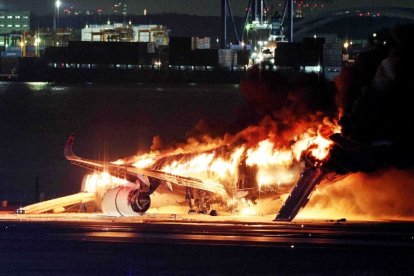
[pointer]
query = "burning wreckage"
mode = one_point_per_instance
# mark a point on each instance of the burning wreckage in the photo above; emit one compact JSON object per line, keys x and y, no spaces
{"x":244,"y":171}
{"x":224,"y":178}
{"x":292,"y":149}
{"x":231,"y":172}
{"x":132,"y":196}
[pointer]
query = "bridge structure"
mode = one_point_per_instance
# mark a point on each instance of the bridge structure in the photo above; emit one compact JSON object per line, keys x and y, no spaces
{"x":309,"y":24}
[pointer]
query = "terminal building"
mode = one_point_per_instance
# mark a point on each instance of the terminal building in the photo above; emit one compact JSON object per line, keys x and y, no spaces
{"x":14,"y":22}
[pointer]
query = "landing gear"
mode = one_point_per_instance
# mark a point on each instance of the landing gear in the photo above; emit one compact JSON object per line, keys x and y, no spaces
{"x":140,"y":201}
{"x":189,"y":196}
{"x":200,"y":203}
{"x":213,"y":213}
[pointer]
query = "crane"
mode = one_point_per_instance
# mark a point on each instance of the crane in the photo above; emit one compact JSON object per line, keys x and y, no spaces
{"x":262,"y":30}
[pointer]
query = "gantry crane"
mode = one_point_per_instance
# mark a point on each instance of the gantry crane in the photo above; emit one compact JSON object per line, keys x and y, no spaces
{"x":262,"y":30}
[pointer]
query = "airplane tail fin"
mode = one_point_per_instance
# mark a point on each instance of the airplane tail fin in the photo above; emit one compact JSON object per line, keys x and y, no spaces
{"x":68,"y":151}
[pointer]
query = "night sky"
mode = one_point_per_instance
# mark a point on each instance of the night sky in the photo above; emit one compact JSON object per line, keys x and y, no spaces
{"x":199,"y":7}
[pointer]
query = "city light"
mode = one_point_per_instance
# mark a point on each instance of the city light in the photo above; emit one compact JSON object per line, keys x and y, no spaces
{"x":346,"y":45}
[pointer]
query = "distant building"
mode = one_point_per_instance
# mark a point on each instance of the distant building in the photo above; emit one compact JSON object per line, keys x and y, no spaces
{"x":119,"y":32}
{"x":319,"y":54}
{"x":14,"y":21}
{"x":200,"y":42}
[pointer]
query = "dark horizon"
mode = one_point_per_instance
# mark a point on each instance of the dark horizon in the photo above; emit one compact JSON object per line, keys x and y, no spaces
{"x":196,"y":7}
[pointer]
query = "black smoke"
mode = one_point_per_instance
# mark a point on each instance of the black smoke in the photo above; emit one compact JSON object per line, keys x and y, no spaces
{"x":285,"y":96}
{"x":374,"y":96}
{"x":277,"y":104}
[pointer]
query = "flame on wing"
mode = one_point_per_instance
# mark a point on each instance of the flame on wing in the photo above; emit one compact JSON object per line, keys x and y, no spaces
{"x":272,"y":159}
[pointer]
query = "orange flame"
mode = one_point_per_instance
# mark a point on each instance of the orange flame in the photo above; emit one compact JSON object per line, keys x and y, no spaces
{"x":273,"y":160}
{"x":274,"y":165}
{"x":100,"y":182}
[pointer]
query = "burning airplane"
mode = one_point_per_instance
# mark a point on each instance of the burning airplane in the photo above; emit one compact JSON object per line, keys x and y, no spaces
{"x":232,"y":171}
{"x":226,"y":171}
{"x":287,"y":143}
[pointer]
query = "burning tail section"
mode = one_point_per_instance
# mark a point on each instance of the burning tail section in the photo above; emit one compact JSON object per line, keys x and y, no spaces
{"x":68,"y":151}
{"x":300,"y":194}
{"x":345,"y":156}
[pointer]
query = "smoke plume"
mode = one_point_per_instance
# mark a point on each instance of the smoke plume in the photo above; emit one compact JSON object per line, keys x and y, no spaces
{"x":374,"y":99}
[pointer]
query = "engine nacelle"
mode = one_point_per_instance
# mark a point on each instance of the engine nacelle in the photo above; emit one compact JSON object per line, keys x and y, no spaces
{"x":125,"y":201}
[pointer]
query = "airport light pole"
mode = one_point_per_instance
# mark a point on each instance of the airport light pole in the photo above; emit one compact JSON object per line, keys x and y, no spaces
{"x":56,"y":17}
{"x":345,"y":56}
{"x":37,"y":44}
{"x":22,"y":46}
{"x":56,"y":20}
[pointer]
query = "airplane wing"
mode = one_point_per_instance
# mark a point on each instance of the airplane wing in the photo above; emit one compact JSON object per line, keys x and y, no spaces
{"x":133,"y":174}
{"x":182,"y":180}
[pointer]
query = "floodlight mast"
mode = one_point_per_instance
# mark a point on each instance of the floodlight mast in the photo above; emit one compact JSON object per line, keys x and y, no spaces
{"x":227,"y":12}
{"x":57,"y":5}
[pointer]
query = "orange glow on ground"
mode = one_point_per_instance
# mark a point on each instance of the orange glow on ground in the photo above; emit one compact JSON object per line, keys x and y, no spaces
{"x":383,"y":195}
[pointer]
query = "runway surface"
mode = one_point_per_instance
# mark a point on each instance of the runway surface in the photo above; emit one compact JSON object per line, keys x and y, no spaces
{"x":198,"y":244}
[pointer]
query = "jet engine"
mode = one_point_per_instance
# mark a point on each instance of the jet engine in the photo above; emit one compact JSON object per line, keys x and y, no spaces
{"x":125,"y":201}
